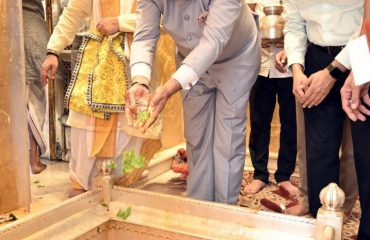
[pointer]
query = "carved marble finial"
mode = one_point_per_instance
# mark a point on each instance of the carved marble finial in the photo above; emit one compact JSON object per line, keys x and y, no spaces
{"x":104,"y":168}
{"x":332,"y":197}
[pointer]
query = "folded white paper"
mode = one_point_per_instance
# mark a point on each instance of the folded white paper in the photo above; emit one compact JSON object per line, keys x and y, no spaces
{"x":359,"y":56}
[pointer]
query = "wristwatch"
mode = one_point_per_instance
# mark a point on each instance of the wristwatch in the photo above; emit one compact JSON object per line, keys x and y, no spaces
{"x":52,"y":52}
{"x":336,"y":73}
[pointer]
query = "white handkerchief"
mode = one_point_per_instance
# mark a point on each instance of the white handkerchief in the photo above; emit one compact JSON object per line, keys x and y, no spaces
{"x":360,"y":60}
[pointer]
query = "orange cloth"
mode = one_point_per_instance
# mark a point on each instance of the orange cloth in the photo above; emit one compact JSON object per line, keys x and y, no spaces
{"x":105,"y":134}
{"x":105,"y":131}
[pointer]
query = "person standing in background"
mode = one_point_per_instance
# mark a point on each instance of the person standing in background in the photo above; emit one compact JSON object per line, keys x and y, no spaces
{"x":36,"y":36}
{"x":356,"y":104}
{"x":315,"y":33}
{"x":271,"y":84}
{"x":95,"y":135}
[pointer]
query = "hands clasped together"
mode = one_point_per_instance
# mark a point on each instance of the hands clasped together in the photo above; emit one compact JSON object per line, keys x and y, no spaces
{"x":309,"y":90}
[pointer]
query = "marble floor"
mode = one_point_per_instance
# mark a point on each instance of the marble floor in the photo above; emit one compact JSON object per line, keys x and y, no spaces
{"x":52,"y":187}
{"x":47,"y":188}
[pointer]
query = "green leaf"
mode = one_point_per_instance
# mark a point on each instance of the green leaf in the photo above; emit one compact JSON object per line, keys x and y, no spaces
{"x":111,"y":165}
{"x":131,"y":161}
{"x":143,"y":116}
{"x":124,"y":214}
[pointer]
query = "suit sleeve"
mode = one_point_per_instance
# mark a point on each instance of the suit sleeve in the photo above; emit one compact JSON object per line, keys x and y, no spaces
{"x":146,"y":36}
{"x":69,"y":24}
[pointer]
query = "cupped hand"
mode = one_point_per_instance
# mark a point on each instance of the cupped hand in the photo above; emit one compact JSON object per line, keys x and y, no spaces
{"x":159,"y":100}
{"x":137,"y":98}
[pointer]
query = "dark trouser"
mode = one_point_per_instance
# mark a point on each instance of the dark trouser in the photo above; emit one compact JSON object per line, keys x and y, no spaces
{"x":262,"y":105}
{"x":361,"y":148}
{"x":323,"y":128}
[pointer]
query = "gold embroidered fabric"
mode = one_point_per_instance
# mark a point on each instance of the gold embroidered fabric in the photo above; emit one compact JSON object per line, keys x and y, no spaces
{"x":99,"y":80}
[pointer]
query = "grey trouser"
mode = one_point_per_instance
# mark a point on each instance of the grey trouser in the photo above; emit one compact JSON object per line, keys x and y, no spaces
{"x":215,"y":131}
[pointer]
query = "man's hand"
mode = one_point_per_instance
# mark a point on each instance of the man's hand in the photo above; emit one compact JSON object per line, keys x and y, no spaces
{"x":320,"y":85}
{"x":108,"y":26}
{"x":299,"y":81}
{"x":351,"y":99}
{"x":137,"y":100}
{"x":49,"y":68}
{"x":281,"y":61}
{"x":159,"y":100}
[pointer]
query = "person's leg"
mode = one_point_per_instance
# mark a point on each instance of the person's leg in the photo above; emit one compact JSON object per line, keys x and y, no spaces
{"x":229,"y":147}
{"x":323,"y":128}
{"x":288,"y":135}
{"x":361,"y":146}
{"x":324,"y":125}
{"x":301,"y":208}
{"x":347,"y":175}
{"x":198,"y":106}
{"x":36,"y":165}
{"x":262,"y":105}
{"x":80,"y":164}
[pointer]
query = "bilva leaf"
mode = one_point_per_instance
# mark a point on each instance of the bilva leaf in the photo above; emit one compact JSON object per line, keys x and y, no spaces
{"x":143,"y":116}
{"x":124,"y":214}
{"x":131,"y":161}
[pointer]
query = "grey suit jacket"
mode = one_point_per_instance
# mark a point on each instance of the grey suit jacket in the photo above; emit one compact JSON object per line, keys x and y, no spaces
{"x":226,"y":45}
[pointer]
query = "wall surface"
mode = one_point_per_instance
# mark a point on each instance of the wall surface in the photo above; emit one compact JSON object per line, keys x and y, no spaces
{"x":14,"y":164}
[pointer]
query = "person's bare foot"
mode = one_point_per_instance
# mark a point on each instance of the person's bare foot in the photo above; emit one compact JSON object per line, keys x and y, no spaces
{"x":289,"y":187}
{"x":346,"y":216}
{"x":36,"y":165}
{"x":297,"y":210}
{"x":38,"y":168}
{"x":76,"y":192}
{"x":254,"y":187}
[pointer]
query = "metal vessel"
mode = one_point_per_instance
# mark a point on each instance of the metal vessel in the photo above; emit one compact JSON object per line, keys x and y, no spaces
{"x":272,"y":25}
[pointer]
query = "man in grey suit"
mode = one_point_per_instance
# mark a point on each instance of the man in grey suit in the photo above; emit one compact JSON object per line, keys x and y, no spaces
{"x":218,"y":62}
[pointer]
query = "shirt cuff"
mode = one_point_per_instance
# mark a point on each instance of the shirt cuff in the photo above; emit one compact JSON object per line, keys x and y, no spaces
{"x":127,"y":23}
{"x":186,"y":76}
{"x":343,"y":58}
{"x":141,"y":69}
{"x":295,"y":58}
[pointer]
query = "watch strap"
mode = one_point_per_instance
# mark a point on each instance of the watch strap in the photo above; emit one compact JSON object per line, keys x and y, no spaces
{"x":336,"y":73}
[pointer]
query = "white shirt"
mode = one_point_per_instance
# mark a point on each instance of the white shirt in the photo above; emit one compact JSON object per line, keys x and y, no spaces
{"x":324,"y":23}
